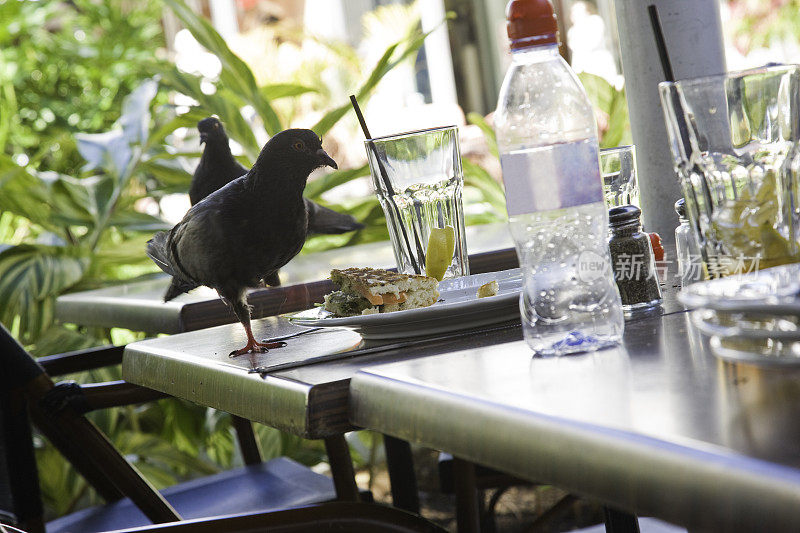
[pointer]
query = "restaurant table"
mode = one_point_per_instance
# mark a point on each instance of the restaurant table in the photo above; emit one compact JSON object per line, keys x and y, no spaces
{"x":140,"y":306}
{"x":305,"y":390}
{"x":658,"y":426}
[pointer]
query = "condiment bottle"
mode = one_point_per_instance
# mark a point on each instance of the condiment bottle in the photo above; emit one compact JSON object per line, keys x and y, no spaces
{"x":632,"y":260}
{"x":690,"y":261}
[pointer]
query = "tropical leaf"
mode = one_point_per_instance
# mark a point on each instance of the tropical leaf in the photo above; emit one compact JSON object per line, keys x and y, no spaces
{"x":58,"y":339}
{"x":131,"y":220}
{"x":235,"y":75}
{"x":333,"y":179}
{"x":168,"y":172}
{"x":283,"y":90}
{"x":386,"y":63}
{"x":225,"y":104}
{"x":112,"y":150}
{"x":31,"y":276}
{"x":188,"y":119}
{"x":611,"y":105}
{"x":79,"y":201}
{"x":22,"y":193}
{"x":492,"y":192}
{"x":488,"y":131}
{"x":150,"y":449}
{"x":135,"y":119}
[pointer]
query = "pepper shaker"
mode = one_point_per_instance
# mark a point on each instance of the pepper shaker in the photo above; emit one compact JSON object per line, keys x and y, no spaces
{"x":632,"y":260}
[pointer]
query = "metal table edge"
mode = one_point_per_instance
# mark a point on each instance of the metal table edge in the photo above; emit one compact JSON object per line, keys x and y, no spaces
{"x":637,"y":473}
{"x":273,"y":401}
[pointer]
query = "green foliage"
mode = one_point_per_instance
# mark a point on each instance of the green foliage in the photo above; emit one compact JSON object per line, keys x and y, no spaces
{"x":87,"y":133}
{"x":611,"y":109}
{"x":66,"y":67}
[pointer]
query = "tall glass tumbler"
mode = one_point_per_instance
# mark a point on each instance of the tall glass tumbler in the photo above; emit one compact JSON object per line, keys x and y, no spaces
{"x":418,"y":179}
{"x":734,"y":141}
{"x":618,"y":169}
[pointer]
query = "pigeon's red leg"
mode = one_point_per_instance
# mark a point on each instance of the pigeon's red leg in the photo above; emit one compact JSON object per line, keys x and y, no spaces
{"x":254,"y":346}
{"x":242,"y":311}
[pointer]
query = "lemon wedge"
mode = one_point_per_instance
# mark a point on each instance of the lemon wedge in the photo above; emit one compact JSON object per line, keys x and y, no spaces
{"x":441,"y":246}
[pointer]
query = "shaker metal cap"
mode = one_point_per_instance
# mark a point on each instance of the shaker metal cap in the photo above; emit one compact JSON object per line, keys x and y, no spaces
{"x":530,"y":23}
{"x":680,"y":207}
{"x":623,"y":214}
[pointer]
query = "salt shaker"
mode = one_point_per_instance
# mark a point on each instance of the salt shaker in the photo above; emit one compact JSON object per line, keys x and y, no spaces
{"x":690,"y":262}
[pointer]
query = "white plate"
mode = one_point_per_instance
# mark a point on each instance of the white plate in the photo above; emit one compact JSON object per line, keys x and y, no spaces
{"x":764,"y":352}
{"x":458,"y":308}
{"x":773,"y":290}
{"x":746,"y":325}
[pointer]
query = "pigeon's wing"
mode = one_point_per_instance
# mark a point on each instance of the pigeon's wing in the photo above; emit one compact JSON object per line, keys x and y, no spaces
{"x":211,"y":175}
{"x":212,"y":234}
{"x":327,"y":221}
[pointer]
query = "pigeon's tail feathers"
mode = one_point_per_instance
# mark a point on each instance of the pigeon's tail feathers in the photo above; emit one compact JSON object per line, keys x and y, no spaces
{"x":177,"y":287}
{"x":329,"y":222}
{"x":157,"y":250}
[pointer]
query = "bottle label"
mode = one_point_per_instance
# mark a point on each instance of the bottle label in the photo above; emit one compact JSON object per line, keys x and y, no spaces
{"x":552,"y":177}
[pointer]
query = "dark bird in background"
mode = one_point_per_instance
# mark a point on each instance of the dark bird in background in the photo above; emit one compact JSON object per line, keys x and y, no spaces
{"x":218,"y":167}
{"x":240,"y":235}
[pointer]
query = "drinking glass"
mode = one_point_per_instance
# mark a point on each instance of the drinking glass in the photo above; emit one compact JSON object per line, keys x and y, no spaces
{"x":418,"y":179}
{"x":618,"y":169}
{"x":734,"y":140}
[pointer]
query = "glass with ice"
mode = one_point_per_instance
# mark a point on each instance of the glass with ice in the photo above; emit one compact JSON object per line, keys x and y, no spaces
{"x":418,"y":179}
{"x":734,"y":141}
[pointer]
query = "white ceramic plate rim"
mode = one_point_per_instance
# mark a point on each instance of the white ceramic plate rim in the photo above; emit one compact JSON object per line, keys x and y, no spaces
{"x":510,"y":282}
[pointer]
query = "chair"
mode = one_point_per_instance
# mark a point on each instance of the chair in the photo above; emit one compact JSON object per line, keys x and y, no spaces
{"x":27,"y":394}
{"x":468,"y":481}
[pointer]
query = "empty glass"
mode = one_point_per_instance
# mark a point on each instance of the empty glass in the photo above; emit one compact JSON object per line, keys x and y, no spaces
{"x":418,"y":179}
{"x":734,"y":142}
{"x":618,"y":169}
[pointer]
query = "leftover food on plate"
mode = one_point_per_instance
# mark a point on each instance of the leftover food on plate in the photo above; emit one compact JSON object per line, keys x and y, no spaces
{"x":365,"y":291}
{"x":488,"y":289}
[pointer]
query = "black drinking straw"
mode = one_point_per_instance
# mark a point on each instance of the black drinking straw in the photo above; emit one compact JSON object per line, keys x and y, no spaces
{"x":386,"y":183}
{"x":661,"y":45}
{"x":669,"y":76}
{"x":666,"y":67}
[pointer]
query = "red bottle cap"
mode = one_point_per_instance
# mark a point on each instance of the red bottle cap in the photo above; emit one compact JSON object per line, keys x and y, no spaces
{"x":530,"y":23}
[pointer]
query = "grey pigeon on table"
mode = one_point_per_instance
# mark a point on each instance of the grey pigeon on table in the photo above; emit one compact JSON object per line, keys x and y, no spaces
{"x":240,"y":235}
{"x":218,"y":167}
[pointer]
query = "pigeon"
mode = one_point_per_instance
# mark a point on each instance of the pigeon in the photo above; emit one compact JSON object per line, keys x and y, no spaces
{"x":241,"y":234}
{"x":218,"y":167}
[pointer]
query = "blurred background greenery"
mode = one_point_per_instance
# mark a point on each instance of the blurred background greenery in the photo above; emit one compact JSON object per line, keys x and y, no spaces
{"x":97,"y":140}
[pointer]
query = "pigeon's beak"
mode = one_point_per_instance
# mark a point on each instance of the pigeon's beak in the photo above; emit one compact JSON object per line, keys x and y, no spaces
{"x":203,"y":137}
{"x":325,"y":159}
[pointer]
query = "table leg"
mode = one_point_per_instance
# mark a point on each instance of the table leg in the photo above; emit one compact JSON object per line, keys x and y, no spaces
{"x":344,"y":477}
{"x":400,"y":464}
{"x":248,"y":444}
{"x":467,"y":506}
{"x":620,"y":522}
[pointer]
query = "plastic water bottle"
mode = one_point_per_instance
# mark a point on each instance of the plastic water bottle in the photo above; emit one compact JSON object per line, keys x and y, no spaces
{"x":547,"y":137}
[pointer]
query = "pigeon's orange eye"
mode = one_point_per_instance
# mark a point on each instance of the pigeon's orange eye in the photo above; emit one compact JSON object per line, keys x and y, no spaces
{"x":298,"y":145}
